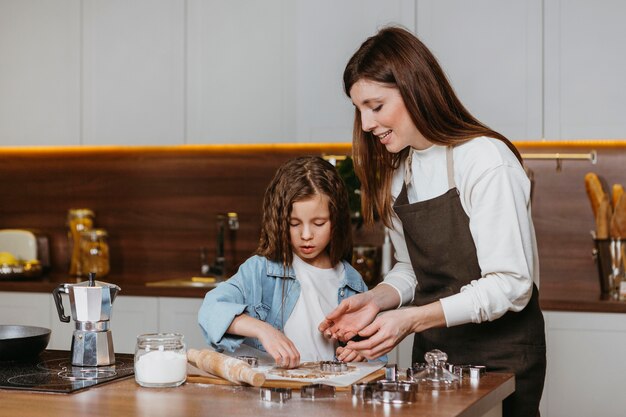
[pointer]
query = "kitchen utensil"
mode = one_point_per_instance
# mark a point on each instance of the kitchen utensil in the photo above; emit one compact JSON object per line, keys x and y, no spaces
{"x":91,"y":303}
{"x":317,"y":391}
{"x":333,"y":366}
{"x":436,"y":377}
{"x":276,"y":395}
{"x":391,"y":372}
{"x":229,"y":368}
{"x":363,"y":390}
{"x":610,"y":257}
{"x":22,"y":342}
{"x":395,"y":392}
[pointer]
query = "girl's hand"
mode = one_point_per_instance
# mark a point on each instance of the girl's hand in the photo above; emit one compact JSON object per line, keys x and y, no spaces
{"x":348,"y":355}
{"x":350,"y":316}
{"x":278,"y":346}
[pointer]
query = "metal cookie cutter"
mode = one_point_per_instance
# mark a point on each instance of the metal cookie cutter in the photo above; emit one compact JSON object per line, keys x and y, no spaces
{"x":476,"y":371}
{"x":461,"y":370}
{"x":253,"y":361}
{"x":395,"y":393}
{"x":363,"y":390}
{"x":275,"y":395}
{"x":391,"y":372}
{"x":333,"y":366}
{"x":316,"y":391}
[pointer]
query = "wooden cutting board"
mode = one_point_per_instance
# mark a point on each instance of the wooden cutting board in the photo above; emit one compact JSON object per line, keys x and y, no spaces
{"x":274,"y":383}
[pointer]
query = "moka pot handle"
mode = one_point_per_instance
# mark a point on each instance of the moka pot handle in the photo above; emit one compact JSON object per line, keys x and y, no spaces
{"x":56,"y":293}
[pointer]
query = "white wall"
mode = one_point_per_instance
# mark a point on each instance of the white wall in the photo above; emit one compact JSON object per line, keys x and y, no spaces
{"x":156,"y":72}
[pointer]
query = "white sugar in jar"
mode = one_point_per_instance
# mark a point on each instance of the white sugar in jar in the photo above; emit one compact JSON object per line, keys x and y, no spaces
{"x":160,"y":360}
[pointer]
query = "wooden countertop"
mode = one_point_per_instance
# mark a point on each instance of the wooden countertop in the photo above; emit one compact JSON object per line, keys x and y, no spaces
{"x":552,"y":297}
{"x":126,"y":398}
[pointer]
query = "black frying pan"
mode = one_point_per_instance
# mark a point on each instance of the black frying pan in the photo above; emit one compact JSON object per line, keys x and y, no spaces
{"x":22,"y":342}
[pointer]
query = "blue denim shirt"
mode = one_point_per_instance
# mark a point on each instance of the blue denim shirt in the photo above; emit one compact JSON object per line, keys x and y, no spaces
{"x":257,"y":290}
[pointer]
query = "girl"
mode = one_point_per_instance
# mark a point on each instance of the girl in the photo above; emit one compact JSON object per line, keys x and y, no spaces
{"x":298,"y":275}
{"x":457,"y":202}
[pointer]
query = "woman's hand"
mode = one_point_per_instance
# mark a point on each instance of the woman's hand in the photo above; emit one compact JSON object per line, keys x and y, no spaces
{"x":348,"y":355}
{"x":350,"y":316}
{"x":279,"y":346}
{"x":391,"y":327}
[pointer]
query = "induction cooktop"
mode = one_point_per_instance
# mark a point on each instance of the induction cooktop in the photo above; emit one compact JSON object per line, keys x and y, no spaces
{"x":52,"y":371}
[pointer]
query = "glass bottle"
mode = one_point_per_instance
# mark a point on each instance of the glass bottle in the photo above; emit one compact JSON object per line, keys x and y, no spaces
{"x":78,"y":220}
{"x":160,"y":360}
{"x":94,"y":253}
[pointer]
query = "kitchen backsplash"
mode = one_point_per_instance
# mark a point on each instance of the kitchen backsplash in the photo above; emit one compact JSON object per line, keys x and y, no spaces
{"x":159,"y":204}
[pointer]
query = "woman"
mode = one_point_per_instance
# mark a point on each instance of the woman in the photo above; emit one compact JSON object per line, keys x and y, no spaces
{"x":456,"y":200}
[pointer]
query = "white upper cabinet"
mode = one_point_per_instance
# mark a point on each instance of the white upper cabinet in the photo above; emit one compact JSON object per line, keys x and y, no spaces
{"x":39,"y":72}
{"x":585,"y":64}
{"x":240,"y":61}
{"x":327,"y":33}
{"x":171,"y":72}
{"x":133,"y":58}
{"x":491,"y":52}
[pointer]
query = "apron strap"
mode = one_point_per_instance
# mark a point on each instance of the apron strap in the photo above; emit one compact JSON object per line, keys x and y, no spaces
{"x":450,"y":165}
{"x":408,"y":171}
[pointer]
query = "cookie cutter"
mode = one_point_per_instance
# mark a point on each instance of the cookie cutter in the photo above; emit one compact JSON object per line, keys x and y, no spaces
{"x":391,"y":372}
{"x":363,"y":390}
{"x":333,"y":366}
{"x":395,"y":392}
{"x":275,"y":395}
{"x":476,"y":371}
{"x":317,"y":391}
{"x":461,"y":370}
{"x":415,"y":369}
{"x":253,"y":361}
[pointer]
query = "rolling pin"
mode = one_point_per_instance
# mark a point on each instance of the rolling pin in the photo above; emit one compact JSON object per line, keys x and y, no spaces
{"x":231,"y":369}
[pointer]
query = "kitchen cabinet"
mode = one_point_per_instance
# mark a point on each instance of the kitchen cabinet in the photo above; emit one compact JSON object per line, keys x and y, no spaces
{"x":491,"y":51}
{"x":584,"y":69}
{"x":40,"y":73}
{"x":163,"y":72}
{"x":180,"y":315}
{"x":25,"y":308}
{"x":586,"y":365}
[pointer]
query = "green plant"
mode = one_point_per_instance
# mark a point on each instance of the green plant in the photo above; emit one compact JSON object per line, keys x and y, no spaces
{"x":347,"y":174}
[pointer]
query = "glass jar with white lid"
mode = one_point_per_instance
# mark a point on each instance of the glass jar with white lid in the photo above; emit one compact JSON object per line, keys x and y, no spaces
{"x":160,"y":360}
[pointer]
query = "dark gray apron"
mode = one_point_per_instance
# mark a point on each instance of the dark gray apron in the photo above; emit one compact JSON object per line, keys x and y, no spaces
{"x":443,"y":256}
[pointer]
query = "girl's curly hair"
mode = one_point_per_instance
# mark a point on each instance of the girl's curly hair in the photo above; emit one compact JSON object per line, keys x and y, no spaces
{"x":299,"y":179}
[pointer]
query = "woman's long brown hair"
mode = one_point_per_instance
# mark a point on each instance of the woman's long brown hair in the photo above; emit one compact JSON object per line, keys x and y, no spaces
{"x":396,"y":58}
{"x":299,"y":179}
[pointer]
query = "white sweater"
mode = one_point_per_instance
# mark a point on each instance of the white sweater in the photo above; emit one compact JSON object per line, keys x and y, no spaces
{"x":495,"y":194}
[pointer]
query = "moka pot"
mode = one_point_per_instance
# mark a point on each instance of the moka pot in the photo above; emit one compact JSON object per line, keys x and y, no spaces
{"x":91,"y":303}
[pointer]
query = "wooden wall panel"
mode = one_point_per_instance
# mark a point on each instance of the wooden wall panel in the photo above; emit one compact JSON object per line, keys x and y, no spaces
{"x":159,"y":203}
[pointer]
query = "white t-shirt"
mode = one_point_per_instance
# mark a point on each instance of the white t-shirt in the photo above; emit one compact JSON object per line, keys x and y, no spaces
{"x":495,"y":193}
{"x":318,"y":297}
